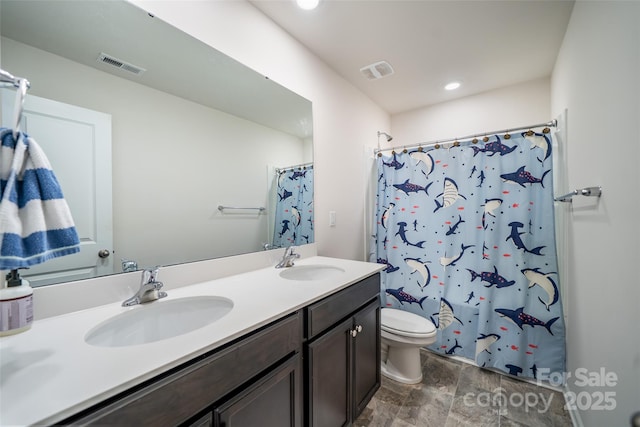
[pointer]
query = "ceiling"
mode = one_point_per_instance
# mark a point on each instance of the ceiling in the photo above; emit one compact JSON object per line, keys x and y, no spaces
{"x":484,"y":44}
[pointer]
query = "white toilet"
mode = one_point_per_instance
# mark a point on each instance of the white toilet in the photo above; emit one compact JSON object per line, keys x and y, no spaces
{"x":403,"y":334}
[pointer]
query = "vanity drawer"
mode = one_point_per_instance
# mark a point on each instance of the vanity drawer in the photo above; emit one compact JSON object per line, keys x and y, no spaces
{"x":332,"y":309}
{"x":179,"y":395}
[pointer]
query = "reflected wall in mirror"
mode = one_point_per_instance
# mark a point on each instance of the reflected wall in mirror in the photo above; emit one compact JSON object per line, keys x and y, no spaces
{"x":193,"y":131}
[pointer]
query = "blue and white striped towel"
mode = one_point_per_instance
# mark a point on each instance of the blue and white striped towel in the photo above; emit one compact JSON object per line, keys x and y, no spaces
{"x":35,"y":221}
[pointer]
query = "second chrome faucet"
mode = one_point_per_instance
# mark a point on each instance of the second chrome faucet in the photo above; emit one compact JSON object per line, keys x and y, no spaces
{"x":288,"y":257}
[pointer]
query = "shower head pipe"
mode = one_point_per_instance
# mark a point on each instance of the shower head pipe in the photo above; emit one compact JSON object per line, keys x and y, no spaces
{"x":386,"y":135}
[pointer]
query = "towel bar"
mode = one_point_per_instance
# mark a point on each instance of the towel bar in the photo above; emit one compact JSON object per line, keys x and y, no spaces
{"x":222,"y":208}
{"x":587,"y":191}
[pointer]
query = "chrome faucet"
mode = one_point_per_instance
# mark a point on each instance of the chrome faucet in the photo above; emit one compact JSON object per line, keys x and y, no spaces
{"x":288,"y":257}
{"x":149,"y":289}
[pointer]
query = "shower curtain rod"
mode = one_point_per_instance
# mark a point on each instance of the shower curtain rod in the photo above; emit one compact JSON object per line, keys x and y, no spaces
{"x":301,"y":165}
{"x":438,"y":143}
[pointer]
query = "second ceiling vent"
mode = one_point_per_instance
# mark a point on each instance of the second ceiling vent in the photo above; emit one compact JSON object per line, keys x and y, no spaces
{"x":377,"y":70}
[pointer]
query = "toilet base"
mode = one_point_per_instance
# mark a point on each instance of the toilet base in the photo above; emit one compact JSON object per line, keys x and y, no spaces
{"x":402,"y":364}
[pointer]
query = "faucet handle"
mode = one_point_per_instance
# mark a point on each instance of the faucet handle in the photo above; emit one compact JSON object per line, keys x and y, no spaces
{"x":149,"y":275}
{"x":128,"y":265}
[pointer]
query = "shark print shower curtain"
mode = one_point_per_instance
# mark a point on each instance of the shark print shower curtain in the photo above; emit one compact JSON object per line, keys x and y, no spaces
{"x":294,"y":207}
{"x":467,"y":236}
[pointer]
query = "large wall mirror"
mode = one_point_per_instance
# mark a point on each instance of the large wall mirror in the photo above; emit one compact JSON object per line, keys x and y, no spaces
{"x":204,"y":157}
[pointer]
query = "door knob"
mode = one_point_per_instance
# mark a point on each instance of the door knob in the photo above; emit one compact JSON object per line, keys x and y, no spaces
{"x":104,"y":253}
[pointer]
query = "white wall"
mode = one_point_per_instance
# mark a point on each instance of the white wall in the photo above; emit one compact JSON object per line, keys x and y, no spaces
{"x":508,"y":107}
{"x":344,"y":120}
{"x":596,"y":78}
{"x":174,"y":162}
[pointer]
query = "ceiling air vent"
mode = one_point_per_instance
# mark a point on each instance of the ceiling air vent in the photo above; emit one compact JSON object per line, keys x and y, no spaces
{"x":377,"y":71}
{"x":114,"y":62}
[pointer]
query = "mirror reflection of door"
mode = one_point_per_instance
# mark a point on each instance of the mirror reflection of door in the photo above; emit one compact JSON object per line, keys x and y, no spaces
{"x":81,"y":161}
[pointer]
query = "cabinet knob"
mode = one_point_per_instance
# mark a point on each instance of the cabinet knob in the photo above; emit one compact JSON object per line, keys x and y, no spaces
{"x":359,"y":328}
{"x":354,"y":333}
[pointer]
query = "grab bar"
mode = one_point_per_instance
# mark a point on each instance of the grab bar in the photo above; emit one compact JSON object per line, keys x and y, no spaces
{"x":587,"y":191}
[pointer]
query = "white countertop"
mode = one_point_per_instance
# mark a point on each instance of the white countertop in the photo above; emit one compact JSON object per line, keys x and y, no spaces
{"x":49,"y":373}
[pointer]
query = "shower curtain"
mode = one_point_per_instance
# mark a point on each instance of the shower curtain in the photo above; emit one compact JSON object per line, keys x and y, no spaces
{"x":294,"y":207}
{"x":467,"y":237}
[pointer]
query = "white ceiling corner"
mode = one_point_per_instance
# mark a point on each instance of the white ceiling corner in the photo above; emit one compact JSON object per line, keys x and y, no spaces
{"x":486,"y":44}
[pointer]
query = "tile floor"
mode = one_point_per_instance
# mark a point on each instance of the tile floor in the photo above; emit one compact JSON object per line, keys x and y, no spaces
{"x":453,"y":393}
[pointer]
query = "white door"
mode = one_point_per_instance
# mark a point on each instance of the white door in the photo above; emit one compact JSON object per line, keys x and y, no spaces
{"x":77,"y":142}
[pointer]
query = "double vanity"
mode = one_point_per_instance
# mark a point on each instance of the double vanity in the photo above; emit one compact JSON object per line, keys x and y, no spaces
{"x":293,"y":346}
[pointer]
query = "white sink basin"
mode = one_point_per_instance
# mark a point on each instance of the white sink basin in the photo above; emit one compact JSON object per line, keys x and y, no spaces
{"x":311,"y":272}
{"x":158,"y":320}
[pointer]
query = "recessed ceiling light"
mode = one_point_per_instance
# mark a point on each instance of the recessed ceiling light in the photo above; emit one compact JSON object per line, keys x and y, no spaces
{"x":307,"y":4}
{"x":452,"y":86}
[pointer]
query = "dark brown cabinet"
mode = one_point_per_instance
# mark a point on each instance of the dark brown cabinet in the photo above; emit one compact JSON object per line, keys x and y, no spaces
{"x":342,"y":357}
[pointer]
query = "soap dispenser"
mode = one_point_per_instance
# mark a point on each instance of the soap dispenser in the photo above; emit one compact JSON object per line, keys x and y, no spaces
{"x":16,"y":305}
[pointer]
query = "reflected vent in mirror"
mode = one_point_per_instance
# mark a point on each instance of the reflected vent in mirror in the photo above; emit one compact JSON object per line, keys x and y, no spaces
{"x":377,"y":70}
{"x":108,"y":59}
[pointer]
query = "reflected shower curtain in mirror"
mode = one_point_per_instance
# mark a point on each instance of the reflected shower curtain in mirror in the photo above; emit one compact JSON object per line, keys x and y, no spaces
{"x":467,"y":236}
{"x":294,"y":207}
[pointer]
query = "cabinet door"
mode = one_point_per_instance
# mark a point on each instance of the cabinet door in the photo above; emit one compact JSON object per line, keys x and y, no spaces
{"x":366,"y":355}
{"x":274,"y":401}
{"x":204,"y":421}
{"x":329,"y":388}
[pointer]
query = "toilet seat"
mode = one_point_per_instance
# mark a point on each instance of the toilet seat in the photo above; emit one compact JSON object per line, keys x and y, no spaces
{"x":406,"y":324}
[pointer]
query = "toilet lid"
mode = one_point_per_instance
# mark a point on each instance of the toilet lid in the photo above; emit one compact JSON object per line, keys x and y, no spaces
{"x":405,"y":323}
